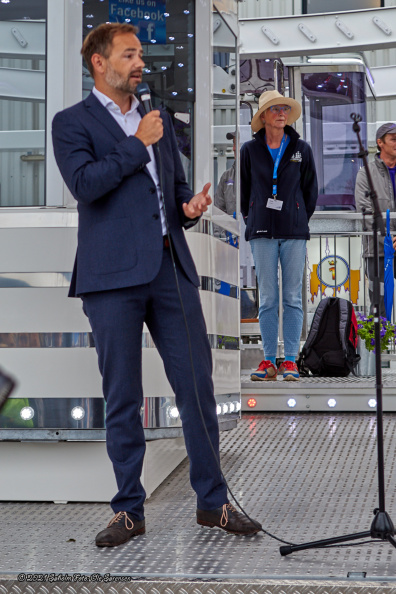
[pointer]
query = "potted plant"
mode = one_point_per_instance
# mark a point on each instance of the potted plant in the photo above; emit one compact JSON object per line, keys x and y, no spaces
{"x":366,"y":346}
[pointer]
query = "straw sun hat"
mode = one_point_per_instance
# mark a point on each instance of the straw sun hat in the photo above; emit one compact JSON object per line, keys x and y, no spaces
{"x":269,"y":98}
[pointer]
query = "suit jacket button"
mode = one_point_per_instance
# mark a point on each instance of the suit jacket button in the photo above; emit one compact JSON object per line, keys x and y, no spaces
{"x":152,"y":190}
{"x":155,"y":216}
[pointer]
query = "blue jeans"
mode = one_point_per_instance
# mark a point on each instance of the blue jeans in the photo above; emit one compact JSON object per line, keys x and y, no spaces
{"x":291,"y":254}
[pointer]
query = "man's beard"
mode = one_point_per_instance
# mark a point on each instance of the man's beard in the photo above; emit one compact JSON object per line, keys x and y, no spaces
{"x":116,"y":81}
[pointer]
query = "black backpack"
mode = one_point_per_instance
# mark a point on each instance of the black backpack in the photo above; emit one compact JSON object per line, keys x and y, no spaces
{"x":330,"y":349}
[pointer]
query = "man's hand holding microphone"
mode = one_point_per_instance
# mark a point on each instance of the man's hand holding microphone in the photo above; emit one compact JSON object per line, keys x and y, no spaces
{"x":150,"y":129}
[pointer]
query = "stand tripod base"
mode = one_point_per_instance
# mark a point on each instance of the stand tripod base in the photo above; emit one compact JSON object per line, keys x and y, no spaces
{"x":381,"y":528}
{"x":382,"y":525}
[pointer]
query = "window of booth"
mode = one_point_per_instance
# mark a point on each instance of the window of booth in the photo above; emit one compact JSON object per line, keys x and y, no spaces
{"x":329,"y":97}
{"x":167,"y":33}
{"x":22,"y":102}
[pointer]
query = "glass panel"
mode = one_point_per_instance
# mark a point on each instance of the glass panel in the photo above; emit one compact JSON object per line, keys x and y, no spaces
{"x":166,"y":31}
{"x":245,"y":118}
{"x":22,"y":102}
{"x":329,"y":98}
{"x":316,"y":6}
{"x":225,"y":110}
{"x":245,"y":70}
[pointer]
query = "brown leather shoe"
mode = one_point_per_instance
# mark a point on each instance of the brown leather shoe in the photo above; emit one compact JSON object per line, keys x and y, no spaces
{"x":229,"y":519}
{"x":120,"y":529}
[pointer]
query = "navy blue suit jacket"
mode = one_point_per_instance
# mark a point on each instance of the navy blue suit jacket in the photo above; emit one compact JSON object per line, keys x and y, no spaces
{"x":119,"y":233}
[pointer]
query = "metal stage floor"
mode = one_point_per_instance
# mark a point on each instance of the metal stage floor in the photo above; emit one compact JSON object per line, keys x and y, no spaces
{"x":304,"y":476}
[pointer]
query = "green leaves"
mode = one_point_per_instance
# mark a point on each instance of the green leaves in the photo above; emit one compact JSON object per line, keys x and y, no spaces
{"x":366,"y":331}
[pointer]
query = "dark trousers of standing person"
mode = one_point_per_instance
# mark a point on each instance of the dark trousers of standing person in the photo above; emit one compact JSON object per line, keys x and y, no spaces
{"x":117,"y":318}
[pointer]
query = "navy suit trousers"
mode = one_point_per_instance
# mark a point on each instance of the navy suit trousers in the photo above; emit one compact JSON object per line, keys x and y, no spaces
{"x":116,"y":318}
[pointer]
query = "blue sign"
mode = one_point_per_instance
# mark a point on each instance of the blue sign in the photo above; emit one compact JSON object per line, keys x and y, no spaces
{"x":147,"y":15}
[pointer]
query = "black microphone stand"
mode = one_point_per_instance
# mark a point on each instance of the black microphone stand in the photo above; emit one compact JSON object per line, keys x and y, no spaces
{"x":382,"y":527}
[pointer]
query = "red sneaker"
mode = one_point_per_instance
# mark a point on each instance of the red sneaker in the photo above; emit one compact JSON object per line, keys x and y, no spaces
{"x":289,"y":371}
{"x":266,"y":372}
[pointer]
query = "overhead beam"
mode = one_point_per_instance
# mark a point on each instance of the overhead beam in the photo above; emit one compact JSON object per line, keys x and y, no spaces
{"x":313,"y":34}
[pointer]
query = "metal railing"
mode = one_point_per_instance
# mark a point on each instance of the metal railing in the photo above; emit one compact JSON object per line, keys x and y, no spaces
{"x":339,"y":270}
{"x":335,"y":267}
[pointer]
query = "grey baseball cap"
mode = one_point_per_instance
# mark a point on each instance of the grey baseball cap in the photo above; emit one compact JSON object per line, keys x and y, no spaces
{"x":388,"y":128}
{"x":231,"y":135}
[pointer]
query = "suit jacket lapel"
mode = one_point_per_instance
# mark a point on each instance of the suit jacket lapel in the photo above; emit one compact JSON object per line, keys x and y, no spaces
{"x":104,"y":117}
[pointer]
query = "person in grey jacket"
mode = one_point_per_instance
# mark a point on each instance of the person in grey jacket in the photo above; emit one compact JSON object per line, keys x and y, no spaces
{"x":225,"y":197}
{"x":382,"y":170}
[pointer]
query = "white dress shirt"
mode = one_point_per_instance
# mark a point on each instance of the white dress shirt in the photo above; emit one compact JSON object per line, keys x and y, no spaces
{"x":129,"y":123}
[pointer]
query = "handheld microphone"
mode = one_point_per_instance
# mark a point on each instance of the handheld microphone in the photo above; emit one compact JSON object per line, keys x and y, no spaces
{"x":144,"y":96}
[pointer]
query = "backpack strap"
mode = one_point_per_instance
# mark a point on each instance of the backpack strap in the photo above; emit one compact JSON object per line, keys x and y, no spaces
{"x":353,"y":335}
{"x":348,"y":334}
{"x":345,"y":321}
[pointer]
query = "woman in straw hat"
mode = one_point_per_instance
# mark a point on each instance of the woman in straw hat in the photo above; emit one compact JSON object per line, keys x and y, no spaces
{"x":278,"y":196}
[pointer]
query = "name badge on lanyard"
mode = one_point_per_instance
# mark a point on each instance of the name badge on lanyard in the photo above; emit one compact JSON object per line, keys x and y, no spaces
{"x":273,"y":203}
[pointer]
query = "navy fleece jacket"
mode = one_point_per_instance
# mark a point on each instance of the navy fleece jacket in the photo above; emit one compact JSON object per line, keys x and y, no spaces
{"x":297,"y":188}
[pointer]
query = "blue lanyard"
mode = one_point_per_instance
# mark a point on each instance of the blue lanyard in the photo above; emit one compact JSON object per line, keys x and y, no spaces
{"x":276,"y":165}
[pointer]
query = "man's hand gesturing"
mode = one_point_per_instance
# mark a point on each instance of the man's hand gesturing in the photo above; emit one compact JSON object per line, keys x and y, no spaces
{"x":150,"y":129}
{"x":198,"y":203}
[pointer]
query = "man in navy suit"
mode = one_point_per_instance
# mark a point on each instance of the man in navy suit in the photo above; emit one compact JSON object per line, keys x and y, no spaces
{"x":124,"y":274}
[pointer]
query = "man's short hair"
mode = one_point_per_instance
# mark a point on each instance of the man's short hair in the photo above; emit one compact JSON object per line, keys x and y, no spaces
{"x":100,"y":40}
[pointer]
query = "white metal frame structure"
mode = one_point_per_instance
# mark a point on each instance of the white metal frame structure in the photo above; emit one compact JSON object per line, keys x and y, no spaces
{"x":314,"y":34}
{"x":64,"y":34}
{"x":301,"y":41}
{"x":45,"y":335}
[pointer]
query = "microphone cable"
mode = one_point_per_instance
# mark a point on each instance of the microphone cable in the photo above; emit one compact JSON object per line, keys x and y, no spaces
{"x":143,"y":92}
{"x":266,"y":532}
{"x":261,"y":529}
{"x":144,"y":95}
{"x":144,"y":89}
{"x":192,"y":364}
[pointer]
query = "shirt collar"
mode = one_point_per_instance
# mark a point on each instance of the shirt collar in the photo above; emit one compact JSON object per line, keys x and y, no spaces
{"x":110,"y":105}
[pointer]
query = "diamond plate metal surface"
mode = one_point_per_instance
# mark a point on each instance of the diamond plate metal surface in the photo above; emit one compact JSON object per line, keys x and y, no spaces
{"x":196,"y":587}
{"x":304,"y":476}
